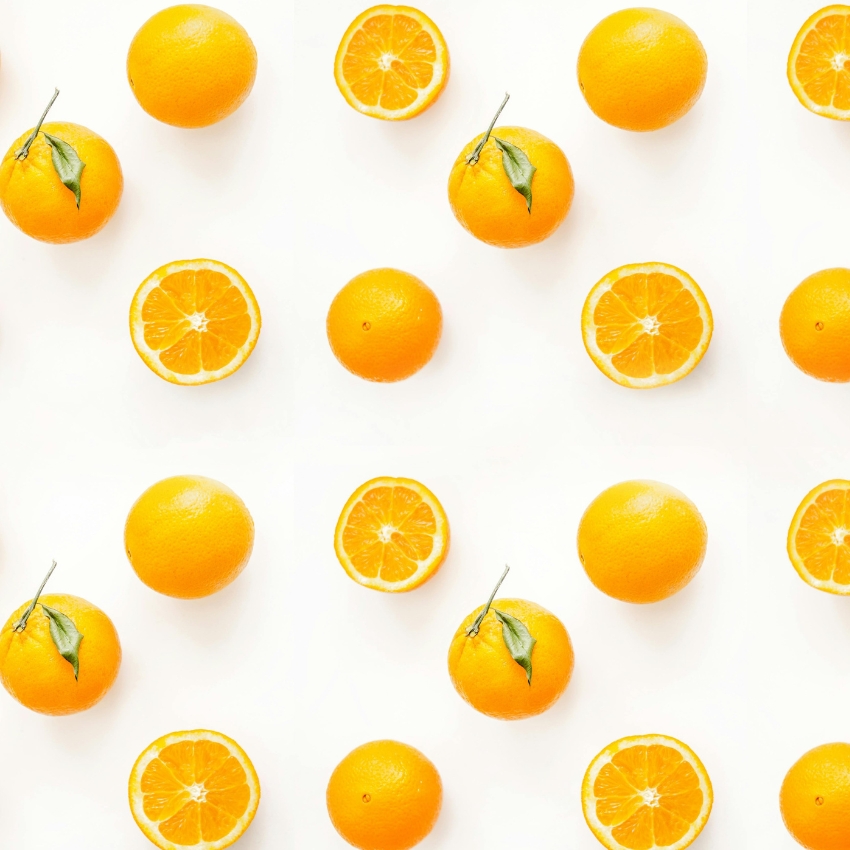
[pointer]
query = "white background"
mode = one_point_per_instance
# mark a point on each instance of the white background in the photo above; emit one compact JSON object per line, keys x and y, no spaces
{"x":510,"y":425}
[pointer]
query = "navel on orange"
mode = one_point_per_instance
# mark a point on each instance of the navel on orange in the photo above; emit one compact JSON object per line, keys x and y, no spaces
{"x":646,"y":325}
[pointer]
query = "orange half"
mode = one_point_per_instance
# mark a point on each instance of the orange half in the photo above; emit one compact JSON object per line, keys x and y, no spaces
{"x":819,"y":538}
{"x":194,"y":789}
{"x":392,"y":62}
{"x":194,"y":321}
{"x":819,"y":63}
{"x":646,"y":792}
{"x":646,"y":325}
{"x":392,"y":534}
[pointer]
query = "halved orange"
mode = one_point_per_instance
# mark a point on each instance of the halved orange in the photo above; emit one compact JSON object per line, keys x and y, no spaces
{"x":819,"y":63}
{"x":392,"y":62}
{"x":819,"y":538}
{"x":646,"y":325}
{"x":392,"y":534}
{"x":646,"y":792}
{"x":194,"y":321}
{"x":194,"y":789}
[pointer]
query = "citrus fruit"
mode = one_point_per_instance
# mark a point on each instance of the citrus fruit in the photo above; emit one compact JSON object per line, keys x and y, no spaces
{"x":191,"y":65}
{"x":188,"y":536}
{"x":815,"y":798}
{"x":384,"y":796}
{"x":646,"y":325}
{"x":646,"y":792}
{"x":194,"y":789}
{"x":392,"y":534}
{"x":511,"y":186}
{"x":641,"y":69}
{"x":815,"y":325}
{"x":194,"y":321}
{"x":392,"y":62}
{"x":641,"y":541}
{"x":819,"y":538}
{"x":384,"y":325}
{"x":819,"y":63}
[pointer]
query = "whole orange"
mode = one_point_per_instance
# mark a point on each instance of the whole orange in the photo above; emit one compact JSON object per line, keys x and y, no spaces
{"x":384,"y":796}
{"x":641,"y":69}
{"x":384,"y":325}
{"x":815,"y":798}
{"x":36,"y":200}
{"x":191,"y":65}
{"x":815,"y":325}
{"x":641,"y":541}
{"x":485,"y":674}
{"x":188,"y":536}
{"x":35,"y":674}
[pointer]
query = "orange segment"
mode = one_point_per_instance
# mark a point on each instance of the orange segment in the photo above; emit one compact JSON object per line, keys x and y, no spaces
{"x":194,"y":321}
{"x":392,"y":534}
{"x":646,"y":325}
{"x":392,"y":62}
{"x":646,"y":792}
{"x":194,"y":789}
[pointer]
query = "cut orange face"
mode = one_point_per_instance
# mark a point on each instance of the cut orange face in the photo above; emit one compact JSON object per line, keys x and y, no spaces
{"x":194,"y":789}
{"x":819,"y":538}
{"x":194,"y":321}
{"x":646,"y":792}
{"x":819,"y":63}
{"x":392,"y":534}
{"x":646,"y":325}
{"x":392,"y":63}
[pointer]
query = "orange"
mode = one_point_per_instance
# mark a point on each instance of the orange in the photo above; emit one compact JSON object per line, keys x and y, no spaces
{"x":641,"y":541}
{"x":819,"y":63}
{"x":191,"y":65}
{"x":646,"y":325}
{"x":392,"y":534}
{"x":188,"y":536}
{"x":384,"y":796}
{"x":194,"y":321}
{"x":384,"y":325}
{"x":194,"y":789}
{"x":815,"y":325}
{"x":646,"y":792}
{"x":815,"y":798}
{"x":392,"y":62}
{"x":641,"y":69}
{"x":819,"y":538}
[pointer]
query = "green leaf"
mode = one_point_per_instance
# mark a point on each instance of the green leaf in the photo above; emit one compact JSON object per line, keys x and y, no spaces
{"x":68,"y":165}
{"x":518,"y":640}
{"x":518,"y":167}
{"x":65,"y":636}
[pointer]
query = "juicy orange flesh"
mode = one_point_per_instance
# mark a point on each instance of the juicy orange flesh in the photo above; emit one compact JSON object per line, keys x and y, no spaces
{"x":823,"y":64}
{"x":649,"y":795}
{"x":388,"y":532}
{"x":823,"y":538}
{"x":388,"y":60}
{"x":650,"y":324}
{"x":196,"y":320}
{"x":195,"y":791}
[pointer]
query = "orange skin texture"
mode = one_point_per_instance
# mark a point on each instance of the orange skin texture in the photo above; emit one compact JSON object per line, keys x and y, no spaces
{"x":384,"y":325}
{"x":641,"y":69}
{"x":815,"y":798}
{"x":37,"y":676}
{"x":35,"y":199}
{"x":384,"y":796}
{"x":486,"y":676}
{"x":487,"y":205}
{"x":641,"y":541}
{"x":188,"y":536}
{"x":821,"y":299}
{"x":191,"y":65}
